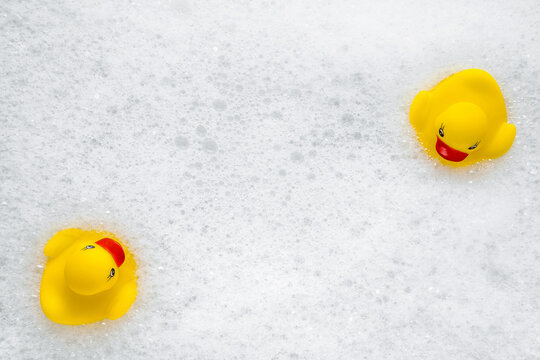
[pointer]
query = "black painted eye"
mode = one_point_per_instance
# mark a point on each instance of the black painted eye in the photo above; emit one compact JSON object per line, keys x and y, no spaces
{"x":474,"y":146}
{"x":88,"y":247}
{"x":441,"y":131}
{"x":111,"y":274}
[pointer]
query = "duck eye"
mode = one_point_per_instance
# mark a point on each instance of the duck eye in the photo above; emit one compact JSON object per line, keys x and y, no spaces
{"x":441,"y":131}
{"x":473,"y":147}
{"x":111,"y":274}
{"x":88,"y":247}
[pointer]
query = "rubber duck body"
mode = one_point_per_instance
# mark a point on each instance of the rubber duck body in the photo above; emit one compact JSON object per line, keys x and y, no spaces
{"x":463,"y":119}
{"x":89,"y":276}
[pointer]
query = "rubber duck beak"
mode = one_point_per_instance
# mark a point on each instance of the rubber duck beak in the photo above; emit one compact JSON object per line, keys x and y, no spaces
{"x":449,"y":153}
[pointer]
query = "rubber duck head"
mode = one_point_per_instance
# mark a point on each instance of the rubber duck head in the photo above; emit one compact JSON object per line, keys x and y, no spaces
{"x":94,"y":268}
{"x":461,"y":131}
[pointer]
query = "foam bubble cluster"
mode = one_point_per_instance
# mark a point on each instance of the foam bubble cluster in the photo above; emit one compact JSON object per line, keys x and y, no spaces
{"x":258,"y":160}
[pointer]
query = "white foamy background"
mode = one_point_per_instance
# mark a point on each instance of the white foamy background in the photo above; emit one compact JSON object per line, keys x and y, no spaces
{"x":259,"y":162}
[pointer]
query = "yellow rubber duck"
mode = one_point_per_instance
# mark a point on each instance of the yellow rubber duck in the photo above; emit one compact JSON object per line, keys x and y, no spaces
{"x":462,"y":120}
{"x":89,"y":276}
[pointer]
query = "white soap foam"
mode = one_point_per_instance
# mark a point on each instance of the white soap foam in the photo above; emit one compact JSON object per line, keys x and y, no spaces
{"x":259,"y":161}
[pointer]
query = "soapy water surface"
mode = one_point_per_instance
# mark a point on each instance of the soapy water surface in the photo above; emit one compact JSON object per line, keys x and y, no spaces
{"x":258,"y":159}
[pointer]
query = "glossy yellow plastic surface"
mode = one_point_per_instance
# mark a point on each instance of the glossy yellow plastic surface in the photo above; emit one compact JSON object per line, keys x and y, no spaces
{"x":82,"y":282}
{"x":463,"y":120}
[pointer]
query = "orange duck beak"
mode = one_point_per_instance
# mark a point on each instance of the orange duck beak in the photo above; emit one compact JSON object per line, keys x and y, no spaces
{"x":449,"y":153}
